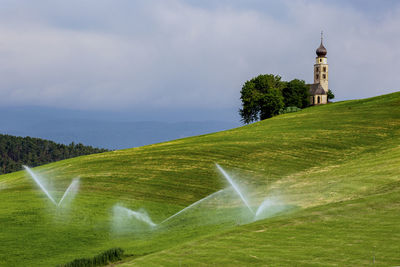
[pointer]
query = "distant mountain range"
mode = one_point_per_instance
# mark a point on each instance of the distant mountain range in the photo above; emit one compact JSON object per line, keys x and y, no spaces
{"x":89,"y":128}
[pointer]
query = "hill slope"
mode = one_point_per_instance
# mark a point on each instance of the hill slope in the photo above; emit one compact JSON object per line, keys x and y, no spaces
{"x":336,"y":166}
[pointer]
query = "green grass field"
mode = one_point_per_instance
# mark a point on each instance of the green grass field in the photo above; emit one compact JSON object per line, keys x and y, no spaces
{"x":336,"y":166}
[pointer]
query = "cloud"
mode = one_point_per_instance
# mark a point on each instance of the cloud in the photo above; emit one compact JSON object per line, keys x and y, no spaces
{"x":174,"y":54}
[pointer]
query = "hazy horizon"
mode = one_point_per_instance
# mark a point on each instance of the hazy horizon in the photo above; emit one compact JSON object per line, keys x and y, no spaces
{"x":177,"y":61}
{"x":188,"y":57}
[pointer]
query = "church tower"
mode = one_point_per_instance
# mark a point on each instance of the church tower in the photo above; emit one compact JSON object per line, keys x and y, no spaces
{"x":319,"y":89}
{"x":321,"y":66}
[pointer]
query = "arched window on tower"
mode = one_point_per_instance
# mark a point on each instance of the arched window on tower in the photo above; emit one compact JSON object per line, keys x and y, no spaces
{"x":324,"y":69}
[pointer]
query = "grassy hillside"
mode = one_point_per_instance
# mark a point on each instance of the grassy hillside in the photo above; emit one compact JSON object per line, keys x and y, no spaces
{"x":357,"y":231}
{"x":336,"y":166}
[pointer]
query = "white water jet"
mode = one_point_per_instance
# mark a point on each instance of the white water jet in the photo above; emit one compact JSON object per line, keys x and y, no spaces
{"x":269,"y":207}
{"x":140,"y":216}
{"x":38,"y":182}
{"x":191,"y":205}
{"x":72,"y":187}
{"x":235,"y":187}
{"x":267,"y":203}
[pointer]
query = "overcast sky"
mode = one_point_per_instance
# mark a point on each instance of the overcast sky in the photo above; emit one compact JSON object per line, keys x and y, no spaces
{"x":129,"y":55}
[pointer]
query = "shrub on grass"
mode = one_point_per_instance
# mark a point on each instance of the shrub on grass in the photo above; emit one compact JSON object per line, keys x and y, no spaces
{"x":104,"y":258}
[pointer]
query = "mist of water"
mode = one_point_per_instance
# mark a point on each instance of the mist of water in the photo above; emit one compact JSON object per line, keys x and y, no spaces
{"x":235,"y":187}
{"x":269,"y":207}
{"x":191,"y":206}
{"x":141,"y":216}
{"x":264,"y":205}
{"x":72,"y":189}
{"x":40,"y":184}
{"x":3,"y":186}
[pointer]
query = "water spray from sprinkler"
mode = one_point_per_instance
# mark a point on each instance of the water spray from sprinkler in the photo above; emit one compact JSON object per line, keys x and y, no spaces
{"x":37,"y":180}
{"x":138,"y":215}
{"x":191,"y":205}
{"x":235,"y":187}
{"x":73,"y":185}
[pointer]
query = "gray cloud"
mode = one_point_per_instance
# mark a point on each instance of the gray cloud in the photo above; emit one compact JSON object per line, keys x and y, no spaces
{"x":175,"y":54}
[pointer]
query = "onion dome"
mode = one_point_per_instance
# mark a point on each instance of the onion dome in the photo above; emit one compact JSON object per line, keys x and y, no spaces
{"x":321,"y":50}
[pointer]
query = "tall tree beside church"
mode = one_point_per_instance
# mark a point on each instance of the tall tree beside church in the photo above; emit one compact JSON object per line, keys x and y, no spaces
{"x":330,"y":95}
{"x":296,"y":94}
{"x":261,"y":98}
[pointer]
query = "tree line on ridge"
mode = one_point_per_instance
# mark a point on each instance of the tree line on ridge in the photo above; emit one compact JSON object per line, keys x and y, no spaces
{"x":17,"y":151}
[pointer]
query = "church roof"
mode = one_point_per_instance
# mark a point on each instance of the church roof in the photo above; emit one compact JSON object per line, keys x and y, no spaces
{"x":316,"y":89}
{"x":321,"y":50}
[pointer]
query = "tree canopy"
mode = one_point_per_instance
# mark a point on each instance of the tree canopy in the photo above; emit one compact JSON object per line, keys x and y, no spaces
{"x":330,"y":95}
{"x":17,"y":151}
{"x":296,"y":94}
{"x":266,"y":95}
{"x":261,"y":98}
